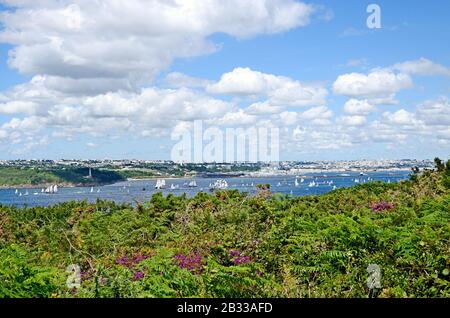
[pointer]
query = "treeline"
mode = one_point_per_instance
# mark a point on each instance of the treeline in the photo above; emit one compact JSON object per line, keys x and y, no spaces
{"x":230,"y":244}
{"x":13,"y":176}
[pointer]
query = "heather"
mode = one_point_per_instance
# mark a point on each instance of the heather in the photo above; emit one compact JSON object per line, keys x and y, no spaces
{"x":230,"y":244}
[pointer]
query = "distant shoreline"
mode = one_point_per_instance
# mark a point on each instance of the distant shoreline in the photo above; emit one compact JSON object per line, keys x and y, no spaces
{"x":299,"y":172}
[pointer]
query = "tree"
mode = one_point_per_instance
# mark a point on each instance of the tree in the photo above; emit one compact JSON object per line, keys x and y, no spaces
{"x":439,"y":164}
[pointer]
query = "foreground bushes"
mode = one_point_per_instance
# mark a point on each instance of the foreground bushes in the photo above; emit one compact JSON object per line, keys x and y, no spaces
{"x":229,"y":244}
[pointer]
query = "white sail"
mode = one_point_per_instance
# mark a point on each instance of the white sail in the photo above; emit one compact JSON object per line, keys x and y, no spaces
{"x":17,"y":191}
{"x":160,"y":184}
{"x":92,"y":189}
{"x":55,"y":188}
{"x":219,"y":185}
{"x":296,"y":182}
{"x":192,"y":184}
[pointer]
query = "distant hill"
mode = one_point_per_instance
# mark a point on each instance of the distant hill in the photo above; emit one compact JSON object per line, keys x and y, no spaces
{"x":24,"y":177}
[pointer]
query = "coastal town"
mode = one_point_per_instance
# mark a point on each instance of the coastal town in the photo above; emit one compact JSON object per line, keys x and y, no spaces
{"x":167,"y":167}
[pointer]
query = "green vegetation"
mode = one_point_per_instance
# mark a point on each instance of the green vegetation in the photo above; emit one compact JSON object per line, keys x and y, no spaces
{"x":47,"y":173}
{"x":229,"y":244}
{"x":13,"y":176}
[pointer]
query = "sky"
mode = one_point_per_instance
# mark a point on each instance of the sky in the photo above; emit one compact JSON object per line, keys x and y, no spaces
{"x":114,"y":79}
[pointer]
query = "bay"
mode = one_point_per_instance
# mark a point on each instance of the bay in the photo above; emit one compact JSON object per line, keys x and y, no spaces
{"x":142,"y":190}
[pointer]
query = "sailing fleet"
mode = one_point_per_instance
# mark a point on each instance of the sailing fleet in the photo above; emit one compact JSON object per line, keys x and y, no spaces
{"x":304,"y":182}
{"x":52,"y":189}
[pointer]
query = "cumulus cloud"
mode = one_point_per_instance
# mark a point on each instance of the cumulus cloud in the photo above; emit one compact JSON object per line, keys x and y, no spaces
{"x":422,"y":66}
{"x":280,"y":90}
{"x":179,"y":80}
{"x":151,"y":112}
{"x":379,"y":86}
{"x":124,"y":44}
{"x":358,"y":107}
{"x":435,"y":112}
{"x":263,"y":108}
{"x":321,"y":112}
{"x":352,"y":120}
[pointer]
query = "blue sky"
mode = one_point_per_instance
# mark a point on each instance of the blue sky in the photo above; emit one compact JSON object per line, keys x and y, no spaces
{"x":334,"y":42}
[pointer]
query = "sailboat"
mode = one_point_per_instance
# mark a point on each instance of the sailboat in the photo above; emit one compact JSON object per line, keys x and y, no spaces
{"x":174,"y":187}
{"x":53,"y":189}
{"x":92,"y":189}
{"x":296,"y":182}
{"x":219,"y":185}
{"x":192,"y":184}
{"x":160,"y":184}
{"x":17,"y":191}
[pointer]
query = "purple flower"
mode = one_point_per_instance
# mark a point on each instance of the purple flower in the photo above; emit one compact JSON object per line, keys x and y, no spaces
{"x":124,"y":261}
{"x":138,"y":275}
{"x":235,"y":253}
{"x":137,"y":258}
{"x":241,"y":260}
{"x":238,"y":258}
{"x":381,"y":206}
{"x":133,"y":260}
{"x":192,"y":262}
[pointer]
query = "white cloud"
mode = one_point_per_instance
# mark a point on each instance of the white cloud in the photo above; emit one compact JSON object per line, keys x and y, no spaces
{"x":236,"y":118}
{"x":320,"y":112}
{"x":352,"y":120}
{"x":359,"y":107}
{"x":178,"y":80}
{"x":435,"y":113}
{"x":263,"y":108}
{"x":401,"y":117}
{"x":422,"y":66}
{"x":288,"y":118}
{"x":123,"y":44}
{"x":280,"y":90}
{"x":378,"y":86}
